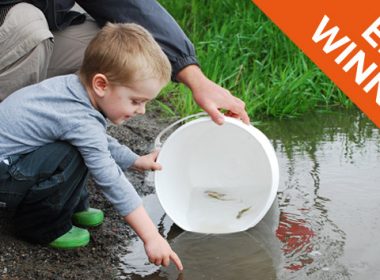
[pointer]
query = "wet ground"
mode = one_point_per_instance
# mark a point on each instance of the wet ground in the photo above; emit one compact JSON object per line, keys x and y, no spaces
{"x":323,"y":224}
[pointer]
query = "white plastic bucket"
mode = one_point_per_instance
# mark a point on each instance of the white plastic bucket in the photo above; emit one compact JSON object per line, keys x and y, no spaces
{"x":216,"y":179}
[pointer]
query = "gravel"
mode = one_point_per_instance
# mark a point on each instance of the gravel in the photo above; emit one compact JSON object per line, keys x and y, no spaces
{"x":98,"y":260}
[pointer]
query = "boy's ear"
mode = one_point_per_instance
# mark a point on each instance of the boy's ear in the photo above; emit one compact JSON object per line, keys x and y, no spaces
{"x":100,"y":84}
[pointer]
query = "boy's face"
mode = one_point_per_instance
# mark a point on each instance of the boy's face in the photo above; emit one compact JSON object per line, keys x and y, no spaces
{"x":119,"y":103}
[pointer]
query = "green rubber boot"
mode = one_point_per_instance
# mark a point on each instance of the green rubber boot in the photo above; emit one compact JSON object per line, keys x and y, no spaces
{"x":74,"y":238}
{"x":89,"y":218}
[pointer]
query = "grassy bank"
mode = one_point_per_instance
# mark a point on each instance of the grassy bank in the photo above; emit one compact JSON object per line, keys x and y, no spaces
{"x":240,"y":49}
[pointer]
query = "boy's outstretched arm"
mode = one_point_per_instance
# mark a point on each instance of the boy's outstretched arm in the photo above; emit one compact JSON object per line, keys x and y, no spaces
{"x":157,"y":248}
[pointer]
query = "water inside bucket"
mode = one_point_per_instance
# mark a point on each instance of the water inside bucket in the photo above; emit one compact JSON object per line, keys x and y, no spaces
{"x":220,"y":209}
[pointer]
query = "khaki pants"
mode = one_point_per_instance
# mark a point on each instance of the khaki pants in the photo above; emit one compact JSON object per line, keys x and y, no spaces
{"x":29,"y":52}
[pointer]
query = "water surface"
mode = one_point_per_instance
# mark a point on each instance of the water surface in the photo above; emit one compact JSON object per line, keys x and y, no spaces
{"x":323,"y":225}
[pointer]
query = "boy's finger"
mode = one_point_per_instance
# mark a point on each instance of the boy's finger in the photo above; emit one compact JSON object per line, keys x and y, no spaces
{"x":176,"y":261}
{"x":155,"y":153}
{"x":166,"y":261}
{"x":156,"y":166}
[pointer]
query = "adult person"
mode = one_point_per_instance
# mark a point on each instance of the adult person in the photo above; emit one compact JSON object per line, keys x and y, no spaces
{"x":44,"y":38}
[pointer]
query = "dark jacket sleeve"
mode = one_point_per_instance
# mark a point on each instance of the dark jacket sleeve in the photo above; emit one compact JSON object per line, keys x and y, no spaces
{"x":9,"y":2}
{"x":151,"y":15}
{"x":58,"y":13}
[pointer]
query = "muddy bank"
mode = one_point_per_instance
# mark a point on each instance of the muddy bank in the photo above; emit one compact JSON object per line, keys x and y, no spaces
{"x":99,"y":260}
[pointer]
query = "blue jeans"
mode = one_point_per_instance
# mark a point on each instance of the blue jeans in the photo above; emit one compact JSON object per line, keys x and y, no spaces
{"x":42,"y":189}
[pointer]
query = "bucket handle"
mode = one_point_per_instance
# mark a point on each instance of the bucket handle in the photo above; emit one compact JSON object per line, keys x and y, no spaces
{"x":158,"y":143}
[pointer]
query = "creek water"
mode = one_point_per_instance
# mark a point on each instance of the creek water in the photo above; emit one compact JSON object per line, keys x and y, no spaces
{"x":324,"y":223}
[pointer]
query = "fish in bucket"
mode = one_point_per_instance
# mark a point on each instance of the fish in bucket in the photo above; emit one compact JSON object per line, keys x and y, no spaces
{"x":215,"y":178}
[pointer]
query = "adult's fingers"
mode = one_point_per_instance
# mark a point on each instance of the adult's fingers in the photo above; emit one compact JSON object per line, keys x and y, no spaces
{"x":244,"y":117}
{"x":231,"y":114}
{"x":238,"y":109}
{"x":215,"y":115}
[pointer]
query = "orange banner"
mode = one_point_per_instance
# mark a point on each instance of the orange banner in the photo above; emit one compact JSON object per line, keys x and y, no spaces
{"x":342,"y":38}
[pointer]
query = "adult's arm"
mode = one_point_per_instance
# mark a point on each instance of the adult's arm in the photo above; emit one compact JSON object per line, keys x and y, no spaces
{"x":151,"y":15}
{"x":177,"y":46}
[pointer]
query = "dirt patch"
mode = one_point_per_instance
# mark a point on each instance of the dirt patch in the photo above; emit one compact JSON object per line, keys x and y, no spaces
{"x":99,"y":260}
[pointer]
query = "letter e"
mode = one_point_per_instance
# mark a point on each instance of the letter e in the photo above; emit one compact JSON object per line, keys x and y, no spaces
{"x":374,"y":28}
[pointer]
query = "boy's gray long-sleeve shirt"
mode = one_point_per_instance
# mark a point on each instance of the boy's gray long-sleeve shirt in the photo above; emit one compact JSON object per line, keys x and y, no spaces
{"x":59,"y":109}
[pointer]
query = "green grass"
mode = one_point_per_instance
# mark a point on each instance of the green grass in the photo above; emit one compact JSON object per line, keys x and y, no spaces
{"x":240,"y":49}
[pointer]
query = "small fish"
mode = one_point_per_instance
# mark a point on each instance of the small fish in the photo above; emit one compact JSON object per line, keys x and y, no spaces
{"x":242,"y":211}
{"x":216,"y":195}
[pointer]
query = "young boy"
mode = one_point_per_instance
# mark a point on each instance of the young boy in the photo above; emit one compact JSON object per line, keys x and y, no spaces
{"x":53,"y":134}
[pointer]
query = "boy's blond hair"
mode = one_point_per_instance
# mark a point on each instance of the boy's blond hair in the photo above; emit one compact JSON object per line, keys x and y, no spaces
{"x":124,"y":53}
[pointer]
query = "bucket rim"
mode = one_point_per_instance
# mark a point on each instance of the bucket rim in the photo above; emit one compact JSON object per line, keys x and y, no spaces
{"x":268,"y":150}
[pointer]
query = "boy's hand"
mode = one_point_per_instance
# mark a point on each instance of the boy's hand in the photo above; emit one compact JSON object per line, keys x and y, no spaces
{"x":159,"y":252}
{"x":156,"y":247}
{"x":147,"y":162}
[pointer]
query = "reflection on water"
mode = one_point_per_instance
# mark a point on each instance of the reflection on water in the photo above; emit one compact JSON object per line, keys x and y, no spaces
{"x":208,"y":256}
{"x":221,"y":257}
{"x":324,"y":224}
{"x":296,"y":235}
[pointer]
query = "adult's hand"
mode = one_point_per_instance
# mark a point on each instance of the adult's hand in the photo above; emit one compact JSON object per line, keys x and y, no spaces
{"x":210,"y":96}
